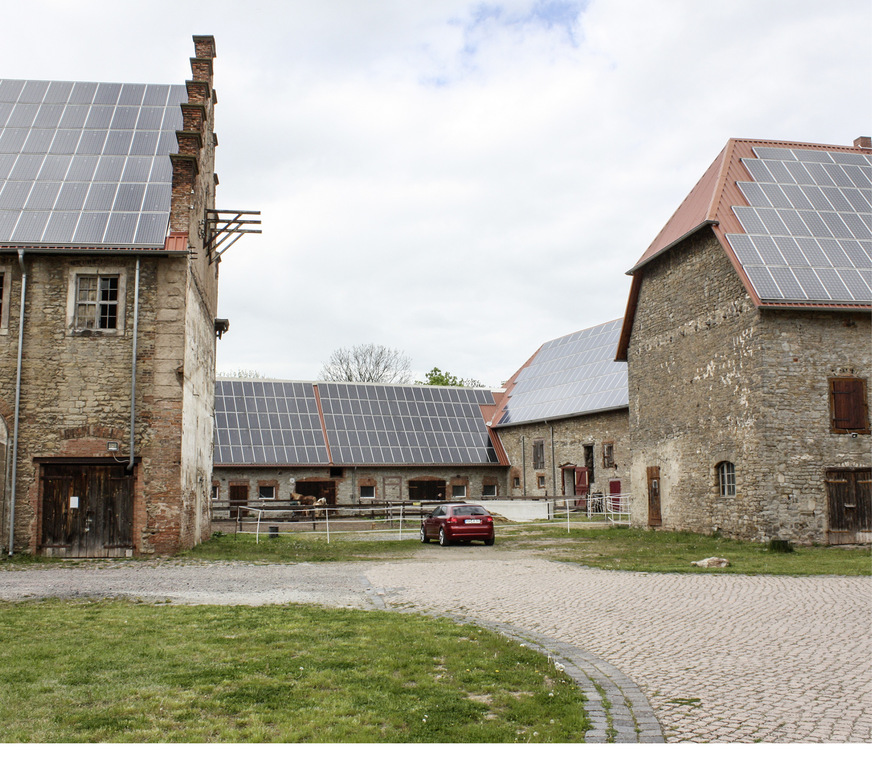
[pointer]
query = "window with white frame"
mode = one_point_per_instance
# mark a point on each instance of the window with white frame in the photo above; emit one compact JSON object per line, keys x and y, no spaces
{"x":266,"y":491}
{"x":458,"y":491}
{"x":489,"y":490}
{"x":367,"y":492}
{"x":726,"y":479}
{"x":216,"y":490}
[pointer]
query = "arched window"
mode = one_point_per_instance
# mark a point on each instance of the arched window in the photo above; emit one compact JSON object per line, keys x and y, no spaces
{"x":726,"y":479}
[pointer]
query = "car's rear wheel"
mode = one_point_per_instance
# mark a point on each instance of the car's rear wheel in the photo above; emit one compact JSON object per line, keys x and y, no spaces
{"x":424,"y":537}
{"x":443,"y":538}
{"x":489,"y":541}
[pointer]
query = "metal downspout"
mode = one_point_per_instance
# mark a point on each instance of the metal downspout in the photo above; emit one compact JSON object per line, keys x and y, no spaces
{"x":133,"y":364}
{"x":524,"y":463}
{"x":17,"y":403}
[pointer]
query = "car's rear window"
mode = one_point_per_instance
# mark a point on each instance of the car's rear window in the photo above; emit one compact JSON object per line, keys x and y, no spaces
{"x":470,"y":510}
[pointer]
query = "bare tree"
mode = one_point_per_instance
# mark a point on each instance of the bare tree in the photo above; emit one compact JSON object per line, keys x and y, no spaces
{"x":367,"y":363}
{"x":241,"y":372}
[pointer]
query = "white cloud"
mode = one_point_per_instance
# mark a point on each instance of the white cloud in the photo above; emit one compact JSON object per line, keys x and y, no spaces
{"x":459,"y":184}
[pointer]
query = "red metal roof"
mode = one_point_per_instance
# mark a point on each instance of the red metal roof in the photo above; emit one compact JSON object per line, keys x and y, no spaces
{"x":710,"y":204}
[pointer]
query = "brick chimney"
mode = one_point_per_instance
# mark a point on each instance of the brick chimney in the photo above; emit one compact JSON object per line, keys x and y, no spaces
{"x":196,"y":131}
{"x":863,"y":142}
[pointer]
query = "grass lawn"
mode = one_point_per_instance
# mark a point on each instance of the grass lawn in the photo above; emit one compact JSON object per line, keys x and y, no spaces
{"x":628,"y":549}
{"x":112,"y":671}
{"x":612,"y":548}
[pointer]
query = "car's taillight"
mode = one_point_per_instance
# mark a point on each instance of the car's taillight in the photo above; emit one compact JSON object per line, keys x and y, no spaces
{"x":453,"y":519}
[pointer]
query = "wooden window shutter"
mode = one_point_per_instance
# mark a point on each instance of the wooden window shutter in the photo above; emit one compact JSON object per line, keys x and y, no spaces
{"x":848,"y":405}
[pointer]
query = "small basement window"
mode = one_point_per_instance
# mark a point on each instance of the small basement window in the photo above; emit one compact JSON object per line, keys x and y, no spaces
{"x":266,"y":492}
{"x":541,"y":482}
{"x":726,"y":479}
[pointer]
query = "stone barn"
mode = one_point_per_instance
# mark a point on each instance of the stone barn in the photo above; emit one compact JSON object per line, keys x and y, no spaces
{"x":747,"y":343}
{"x":563,"y":419}
{"x":354,"y":443}
{"x":108,"y":297}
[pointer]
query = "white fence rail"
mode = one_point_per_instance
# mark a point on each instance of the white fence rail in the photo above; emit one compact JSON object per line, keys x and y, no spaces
{"x":403,"y":519}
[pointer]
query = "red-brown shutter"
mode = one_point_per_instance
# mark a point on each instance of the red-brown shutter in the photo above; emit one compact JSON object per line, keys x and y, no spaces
{"x":849,"y":404}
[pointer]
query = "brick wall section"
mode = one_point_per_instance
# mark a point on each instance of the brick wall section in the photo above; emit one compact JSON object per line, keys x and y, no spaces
{"x":570,"y":437}
{"x":348,"y":485}
{"x":712,"y":378}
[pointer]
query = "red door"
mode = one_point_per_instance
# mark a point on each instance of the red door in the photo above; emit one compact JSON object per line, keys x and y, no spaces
{"x":582,"y":484}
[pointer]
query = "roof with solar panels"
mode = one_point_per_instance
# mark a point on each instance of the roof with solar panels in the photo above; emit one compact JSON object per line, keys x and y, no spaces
{"x":795,"y":220}
{"x":86,"y":164}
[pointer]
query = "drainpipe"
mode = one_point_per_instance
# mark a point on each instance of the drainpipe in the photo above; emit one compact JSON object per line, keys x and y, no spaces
{"x":553,"y":464}
{"x":524,"y":463}
{"x":133,"y":365}
{"x":17,"y":403}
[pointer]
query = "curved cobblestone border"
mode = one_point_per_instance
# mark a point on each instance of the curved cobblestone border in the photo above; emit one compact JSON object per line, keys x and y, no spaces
{"x":617,"y":708}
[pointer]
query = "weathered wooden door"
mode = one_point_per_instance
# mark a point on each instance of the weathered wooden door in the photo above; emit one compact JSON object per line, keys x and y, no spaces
{"x":238,"y":496}
{"x":582,"y":481}
{"x":849,"y":503}
{"x":87,"y":510}
{"x":654,"y":517}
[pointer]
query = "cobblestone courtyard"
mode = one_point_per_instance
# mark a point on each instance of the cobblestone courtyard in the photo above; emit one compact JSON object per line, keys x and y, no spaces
{"x":719,"y":658}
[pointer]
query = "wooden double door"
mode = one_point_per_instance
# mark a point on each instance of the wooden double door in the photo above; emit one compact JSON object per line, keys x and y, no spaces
{"x":849,"y":504}
{"x":87,"y":510}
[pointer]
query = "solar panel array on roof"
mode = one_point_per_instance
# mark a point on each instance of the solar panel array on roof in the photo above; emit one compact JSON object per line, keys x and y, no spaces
{"x":808,"y":226}
{"x":267,"y":423}
{"x":573,"y":375}
{"x":422,"y":425}
{"x":277,"y":423}
{"x":84,"y":163}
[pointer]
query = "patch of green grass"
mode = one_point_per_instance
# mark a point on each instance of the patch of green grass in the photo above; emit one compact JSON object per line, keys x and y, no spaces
{"x":628,"y":549}
{"x":296,"y":548}
{"x":112,"y":671}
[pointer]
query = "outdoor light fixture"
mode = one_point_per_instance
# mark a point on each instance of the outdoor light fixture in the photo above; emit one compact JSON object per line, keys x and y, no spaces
{"x":112,"y":446}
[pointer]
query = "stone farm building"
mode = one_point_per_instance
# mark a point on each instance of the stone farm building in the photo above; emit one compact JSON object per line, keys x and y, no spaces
{"x":747,"y":342}
{"x":558,"y":428}
{"x":354,"y":442}
{"x":563,"y":419}
{"x":108,"y":299}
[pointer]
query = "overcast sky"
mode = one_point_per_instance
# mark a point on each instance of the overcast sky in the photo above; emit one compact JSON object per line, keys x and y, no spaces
{"x":462,"y":181}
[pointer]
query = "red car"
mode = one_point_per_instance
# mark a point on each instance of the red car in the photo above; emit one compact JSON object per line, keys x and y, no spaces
{"x":458,"y":523}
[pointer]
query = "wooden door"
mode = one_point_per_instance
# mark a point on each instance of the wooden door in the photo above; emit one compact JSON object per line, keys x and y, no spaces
{"x":849,"y":504}
{"x":238,"y":496}
{"x":654,"y":517}
{"x":582,"y":481}
{"x":87,"y":510}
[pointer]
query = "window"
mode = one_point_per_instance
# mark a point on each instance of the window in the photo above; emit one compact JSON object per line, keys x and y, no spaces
{"x":97,"y":302}
{"x":489,"y":490}
{"x":608,"y":454}
{"x":516,"y":482}
{"x":848,"y":406}
{"x":588,"y":462}
{"x":458,"y":491}
{"x":266,"y":492}
{"x":538,"y":454}
{"x":367,"y":492}
{"x":336,"y":472}
{"x":726,"y":479}
{"x":541,"y":482}
{"x":216,"y":490}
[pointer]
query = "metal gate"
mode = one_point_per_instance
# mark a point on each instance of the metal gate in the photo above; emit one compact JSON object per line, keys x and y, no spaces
{"x":849,"y":503}
{"x":87,"y":510}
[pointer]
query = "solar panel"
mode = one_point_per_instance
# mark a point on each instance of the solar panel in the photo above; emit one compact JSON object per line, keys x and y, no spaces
{"x":815,"y":207}
{"x":571,"y":375}
{"x":114,"y":138}
{"x":276,"y":422}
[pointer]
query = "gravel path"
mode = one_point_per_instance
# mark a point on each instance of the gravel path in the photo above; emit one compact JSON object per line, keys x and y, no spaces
{"x":719,"y":658}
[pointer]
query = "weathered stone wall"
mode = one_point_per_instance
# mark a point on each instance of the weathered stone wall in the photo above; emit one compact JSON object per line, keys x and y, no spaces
{"x":569,"y":436}
{"x":348,"y":485}
{"x":712,"y":379}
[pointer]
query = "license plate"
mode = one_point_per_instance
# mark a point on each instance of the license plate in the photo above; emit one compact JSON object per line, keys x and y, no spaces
{"x":473,"y":520}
